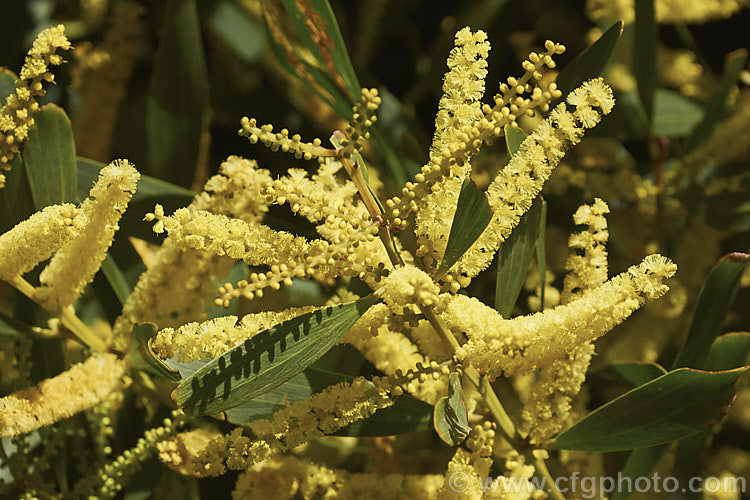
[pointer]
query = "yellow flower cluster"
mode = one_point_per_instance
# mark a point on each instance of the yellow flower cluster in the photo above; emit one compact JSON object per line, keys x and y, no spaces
{"x":172,"y":299}
{"x":292,"y":477}
{"x":37,"y":238}
{"x":16,"y":116}
{"x":469,"y":138}
{"x":194,"y":341}
{"x":666,"y":11}
{"x":527,"y":342}
{"x":510,"y":194}
{"x":589,"y":270}
{"x":323,"y":413}
{"x":81,"y":387}
{"x":74,"y":265}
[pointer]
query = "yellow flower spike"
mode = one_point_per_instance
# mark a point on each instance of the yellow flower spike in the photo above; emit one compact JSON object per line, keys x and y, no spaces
{"x":75,"y":264}
{"x":80,"y":388}
{"x":511,"y":192}
{"x":527,"y":342}
{"x":666,"y":11}
{"x":37,"y":238}
{"x":16,"y":116}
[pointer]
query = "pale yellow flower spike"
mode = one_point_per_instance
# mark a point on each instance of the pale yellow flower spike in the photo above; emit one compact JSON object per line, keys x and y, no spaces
{"x":323,"y":413}
{"x":74,"y":265}
{"x":173,"y":299}
{"x":459,"y":107}
{"x":666,"y":11}
{"x":194,"y":341}
{"x":527,"y":342}
{"x":510,"y":104}
{"x":82,"y":387}
{"x":292,"y":477}
{"x":16,"y":116}
{"x":514,"y":188}
{"x":37,"y":238}
{"x":547,"y":409}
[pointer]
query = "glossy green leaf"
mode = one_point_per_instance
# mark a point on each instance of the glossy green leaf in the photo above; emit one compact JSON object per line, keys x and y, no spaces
{"x":640,"y":463}
{"x":514,"y":258}
{"x":143,"y":358}
{"x":645,"y":40}
{"x":11,"y":329}
{"x":7,"y":83}
{"x":450,"y":419}
{"x":50,"y":158}
{"x":714,"y":301}
{"x":630,"y":373}
{"x":673,"y":406}
{"x":406,"y":415}
{"x":674,"y":115}
{"x":541,"y":253}
{"x":473,"y":214}
{"x":238,"y":30}
{"x":178,"y":95}
{"x":727,"y":352}
{"x":338,"y":50}
{"x":267,"y":360}
{"x":116,"y":280}
{"x":513,"y":139}
{"x":591,"y":62}
{"x":16,"y":204}
{"x":735,"y":63}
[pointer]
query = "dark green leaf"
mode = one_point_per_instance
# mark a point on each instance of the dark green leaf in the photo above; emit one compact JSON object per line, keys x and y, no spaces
{"x":645,"y":40}
{"x":143,"y":358}
{"x":11,"y":329}
{"x":591,"y":62}
{"x":338,"y":51}
{"x":50,"y":158}
{"x":514,"y":258}
{"x":674,"y":115}
{"x":727,"y":352}
{"x":178,"y":94}
{"x":407,"y":415}
{"x":7,"y":83}
{"x":714,"y":301}
{"x":673,"y":406}
{"x":116,"y":280}
{"x":267,"y":360}
{"x":541,"y":253}
{"x":450,"y":419}
{"x":238,"y":30}
{"x":735,"y":63}
{"x":631,"y":373}
{"x":473,"y":214}
{"x":16,"y":204}
{"x":640,"y":463}
{"x":513,"y":139}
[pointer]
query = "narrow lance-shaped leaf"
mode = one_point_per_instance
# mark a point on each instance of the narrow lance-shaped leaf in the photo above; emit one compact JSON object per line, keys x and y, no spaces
{"x":178,"y":93}
{"x":50,"y":158}
{"x":116,"y":279}
{"x":674,"y":115}
{"x":591,"y":62}
{"x":516,"y":251}
{"x":143,"y":358}
{"x":541,"y":253}
{"x":727,"y":352}
{"x":735,"y":63}
{"x":450,"y":418}
{"x":267,"y":360}
{"x":716,"y":297}
{"x":673,"y":406}
{"x":640,"y":463}
{"x":473,"y":214}
{"x":632,"y":373}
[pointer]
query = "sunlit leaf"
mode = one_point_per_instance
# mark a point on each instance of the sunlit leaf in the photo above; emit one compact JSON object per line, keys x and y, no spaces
{"x":450,"y":418}
{"x":267,"y":359}
{"x":143,"y":358}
